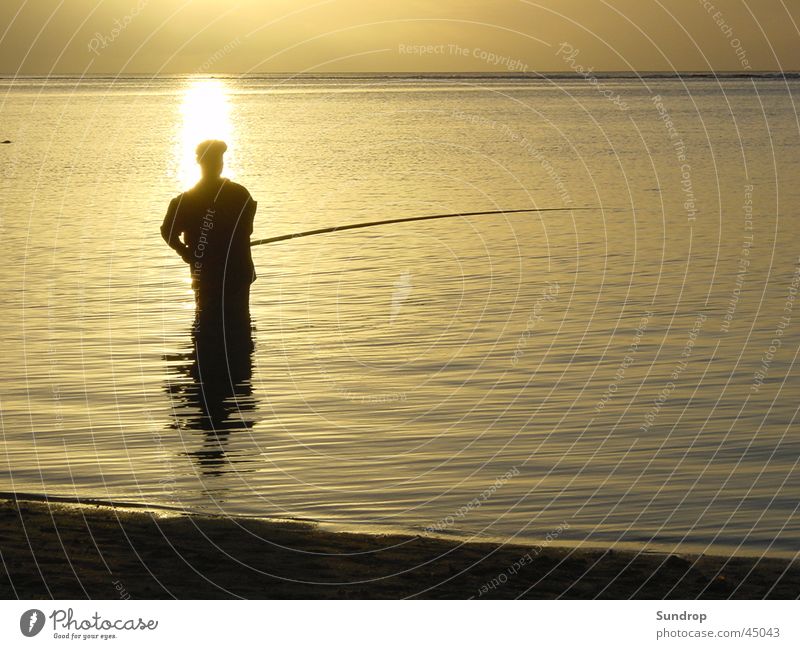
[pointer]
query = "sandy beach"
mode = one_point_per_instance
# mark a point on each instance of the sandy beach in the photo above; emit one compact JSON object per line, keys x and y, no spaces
{"x":63,"y":550}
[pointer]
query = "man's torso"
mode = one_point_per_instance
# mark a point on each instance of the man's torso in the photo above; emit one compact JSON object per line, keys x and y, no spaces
{"x":216,"y":219}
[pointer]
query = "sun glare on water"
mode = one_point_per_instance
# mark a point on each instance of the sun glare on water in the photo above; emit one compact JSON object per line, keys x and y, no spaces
{"x":206,"y":115}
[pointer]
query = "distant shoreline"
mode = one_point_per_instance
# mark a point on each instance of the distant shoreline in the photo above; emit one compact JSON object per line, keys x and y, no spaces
{"x":422,"y":76}
{"x":76,"y":551}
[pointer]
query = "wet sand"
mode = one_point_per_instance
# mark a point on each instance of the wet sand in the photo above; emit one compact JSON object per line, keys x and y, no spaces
{"x":67,"y":551}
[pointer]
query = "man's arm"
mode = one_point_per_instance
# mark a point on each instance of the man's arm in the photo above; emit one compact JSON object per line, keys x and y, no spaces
{"x":171,"y":233}
{"x":250,"y":214}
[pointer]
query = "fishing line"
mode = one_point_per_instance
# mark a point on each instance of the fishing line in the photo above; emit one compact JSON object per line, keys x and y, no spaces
{"x":354,"y":226}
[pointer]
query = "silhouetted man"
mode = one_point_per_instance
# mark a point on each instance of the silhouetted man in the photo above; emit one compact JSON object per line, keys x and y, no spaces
{"x":209,"y":226}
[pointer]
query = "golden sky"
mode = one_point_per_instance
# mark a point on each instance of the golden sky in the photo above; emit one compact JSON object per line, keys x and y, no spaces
{"x":251,"y":36}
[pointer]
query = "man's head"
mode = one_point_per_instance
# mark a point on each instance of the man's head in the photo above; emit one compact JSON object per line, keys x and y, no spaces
{"x":209,"y":157}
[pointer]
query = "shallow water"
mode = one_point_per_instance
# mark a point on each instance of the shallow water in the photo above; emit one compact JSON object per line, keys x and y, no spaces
{"x":480,"y":376}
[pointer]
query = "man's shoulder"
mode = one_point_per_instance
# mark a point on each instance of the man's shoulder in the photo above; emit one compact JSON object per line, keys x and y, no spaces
{"x":200,"y":196}
{"x":182,"y":198}
{"x":184,"y":207}
{"x":174,"y":205}
{"x":236,"y":189}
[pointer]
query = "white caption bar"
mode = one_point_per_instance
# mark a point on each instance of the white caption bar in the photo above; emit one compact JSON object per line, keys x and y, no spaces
{"x":406,"y":624}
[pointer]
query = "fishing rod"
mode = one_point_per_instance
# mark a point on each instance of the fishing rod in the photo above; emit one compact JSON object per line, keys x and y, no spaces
{"x":354,"y":226}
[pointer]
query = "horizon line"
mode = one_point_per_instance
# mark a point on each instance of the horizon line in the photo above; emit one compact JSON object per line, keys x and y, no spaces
{"x":497,"y":73}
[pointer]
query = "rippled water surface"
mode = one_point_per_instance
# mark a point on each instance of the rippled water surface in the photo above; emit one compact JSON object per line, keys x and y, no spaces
{"x":626,"y":373}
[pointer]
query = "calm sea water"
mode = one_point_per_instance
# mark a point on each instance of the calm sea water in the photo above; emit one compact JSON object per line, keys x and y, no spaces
{"x":626,"y":373}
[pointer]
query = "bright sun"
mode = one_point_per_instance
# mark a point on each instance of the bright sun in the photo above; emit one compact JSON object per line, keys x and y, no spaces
{"x":206,"y":115}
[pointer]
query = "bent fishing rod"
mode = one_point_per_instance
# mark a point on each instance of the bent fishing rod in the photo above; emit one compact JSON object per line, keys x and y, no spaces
{"x":354,"y":226}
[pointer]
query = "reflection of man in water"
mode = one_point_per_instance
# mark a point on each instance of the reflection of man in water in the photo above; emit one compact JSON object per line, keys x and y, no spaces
{"x":209,"y":226}
{"x":211,"y":384}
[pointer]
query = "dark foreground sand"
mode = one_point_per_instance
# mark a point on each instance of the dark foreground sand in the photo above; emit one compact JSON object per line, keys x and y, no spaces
{"x":66,"y":551}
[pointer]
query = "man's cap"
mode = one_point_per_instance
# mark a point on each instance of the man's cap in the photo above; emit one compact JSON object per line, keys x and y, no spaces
{"x":211,"y":148}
